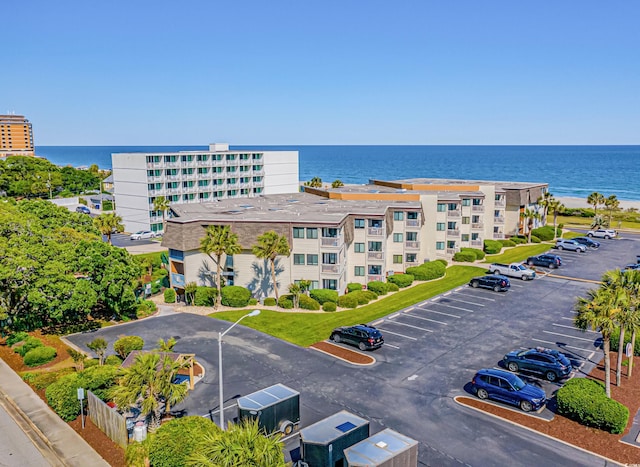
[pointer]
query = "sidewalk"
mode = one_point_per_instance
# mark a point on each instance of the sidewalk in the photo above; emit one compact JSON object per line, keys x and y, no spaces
{"x":56,"y":440}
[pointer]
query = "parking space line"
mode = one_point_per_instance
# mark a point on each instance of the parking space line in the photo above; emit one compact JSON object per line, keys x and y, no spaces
{"x":427,"y":319}
{"x":395,"y":315}
{"x":567,"y":346}
{"x":386,"y":331}
{"x":377,"y":322}
{"x":392,"y":346}
{"x":480,"y":298}
{"x":457,"y":307}
{"x":465,"y":301}
{"x":408,"y":310}
{"x":411,"y":326}
{"x":440,"y":312}
{"x":569,"y":336}
{"x":573,"y":327}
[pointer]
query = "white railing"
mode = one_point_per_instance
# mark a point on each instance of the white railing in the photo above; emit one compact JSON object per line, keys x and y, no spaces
{"x":453,"y":213}
{"x":330,"y":268}
{"x":452,"y":251}
{"x":477,"y":225}
{"x":479,"y":243}
{"x":375,"y":255}
{"x":477,"y":208}
{"x":500,"y":203}
{"x":453,"y":233}
{"x":412,"y":245}
{"x":331,"y":241}
{"x":498,"y":220}
{"x":374,"y":277}
{"x":151,"y":165}
{"x":498,"y":235}
{"x":375,"y":231}
{"x":412,"y":223}
{"x":156,"y":178}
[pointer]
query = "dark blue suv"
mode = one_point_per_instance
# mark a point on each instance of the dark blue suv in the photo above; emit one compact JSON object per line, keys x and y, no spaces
{"x":361,"y":335}
{"x":546,"y":260}
{"x":550,"y":363}
{"x":507,"y":387}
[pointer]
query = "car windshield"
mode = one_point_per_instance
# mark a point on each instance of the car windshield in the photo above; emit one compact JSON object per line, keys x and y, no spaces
{"x":521,"y":267}
{"x":564,"y":360}
{"x":517,"y":383}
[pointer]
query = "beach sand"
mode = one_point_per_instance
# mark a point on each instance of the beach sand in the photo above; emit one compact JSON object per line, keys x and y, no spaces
{"x":570,"y":202}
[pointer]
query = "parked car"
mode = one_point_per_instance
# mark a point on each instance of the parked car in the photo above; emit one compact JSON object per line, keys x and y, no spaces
{"x":142,"y":234}
{"x":586,"y":241}
{"x":602,"y":233}
{"x":550,"y":363}
{"x":496,"y":282}
{"x":632,"y":266}
{"x":507,"y":387}
{"x":361,"y":335}
{"x":513,"y":270}
{"x":546,"y":260}
{"x":571,"y":245}
{"x":83,"y":210}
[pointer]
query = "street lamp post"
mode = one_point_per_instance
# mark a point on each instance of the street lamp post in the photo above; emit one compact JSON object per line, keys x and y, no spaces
{"x":220,"y":336}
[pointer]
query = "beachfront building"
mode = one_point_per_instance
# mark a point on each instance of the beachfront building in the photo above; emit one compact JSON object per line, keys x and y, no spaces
{"x":194,"y":177}
{"x":354,"y":233}
{"x":16,"y":136}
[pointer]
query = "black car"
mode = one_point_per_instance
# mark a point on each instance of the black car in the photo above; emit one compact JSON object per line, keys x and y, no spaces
{"x":548,"y":261}
{"x":586,"y":241}
{"x":550,"y":363}
{"x":361,"y":335}
{"x":495,"y":282}
{"x":632,"y":266}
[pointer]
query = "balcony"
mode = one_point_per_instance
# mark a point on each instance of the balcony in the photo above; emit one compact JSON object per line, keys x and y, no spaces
{"x":156,"y":192}
{"x":258,"y":172}
{"x":192,"y":163}
{"x":330,"y":269}
{"x":206,"y":163}
{"x":453,"y":233}
{"x":411,"y":245}
{"x":156,"y":165}
{"x":172,"y":177}
{"x":452,"y":251}
{"x":331,"y":242}
{"x":375,"y":231}
{"x":477,"y":225}
{"x":173,"y":190}
{"x":453,"y":213}
{"x":498,"y":235}
{"x":233,"y":186}
{"x":192,"y":176}
{"x":412,"y":223}
{"x":477,"y":208}
{"x":156,"y":178}
{"x":499,"y":203}
{"x":477,"y":243}
{"x":172,"y":164}
{"x":246,"y":185}
{"x":375,"y":255}
{"x":375,"y":277}
{"x":498,"y":220}
{"x":190,"y":189}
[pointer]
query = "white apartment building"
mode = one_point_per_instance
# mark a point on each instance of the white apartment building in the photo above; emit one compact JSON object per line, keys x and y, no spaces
{"x":355,"y":233}
{"x":196,"y":177}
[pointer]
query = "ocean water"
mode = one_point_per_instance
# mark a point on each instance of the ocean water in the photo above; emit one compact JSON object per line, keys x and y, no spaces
{"x":569,"y":170}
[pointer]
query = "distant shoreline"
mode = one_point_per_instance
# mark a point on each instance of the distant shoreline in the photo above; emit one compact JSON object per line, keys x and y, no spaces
{"x":573,"y":202}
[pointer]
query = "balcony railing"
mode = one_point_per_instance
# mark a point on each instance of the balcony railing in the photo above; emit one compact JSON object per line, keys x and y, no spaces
{"x":330,"y":269}
{"x":375,"y":277}
{"x":498,"y":235}
{"x":452,"y":251}
{"x":477,"y":225}
{"x":375,"y":255}
{"x":499,"y":203}
{"x":151,"y":165}
{"x":192,"y":163}
{"x":375,"y":231}
{"x":412,"y":245}
{"x":173,"y":177}
{"x":453,"y":232}
{"x":412,"y":223}
{"x":331,"y":241}
{"x":258,"y":172}
{"x":172,"y":164}
{"x":478,"y":243}
{"x":206,"y":163}
{"x":498,"y":220}
{"x":191,"y":176}
{"x":190,"y":189}
{"x":453,"y":213}
{"x":477,"y":208}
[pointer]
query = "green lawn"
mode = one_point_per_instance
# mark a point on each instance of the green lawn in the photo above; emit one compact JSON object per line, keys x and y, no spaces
{"x":570,"y":234}
{"x":305,"y":329}
{"x":518,"y":254}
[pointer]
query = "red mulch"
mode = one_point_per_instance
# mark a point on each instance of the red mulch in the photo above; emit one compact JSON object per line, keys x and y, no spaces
{"x":349,"y":355}
{"x":590,"y":439}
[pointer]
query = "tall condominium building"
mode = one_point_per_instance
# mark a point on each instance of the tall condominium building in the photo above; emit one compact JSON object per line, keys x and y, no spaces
{"x":196,"y":177}
{"x":355,"y":233}
{"x":16,"y":136}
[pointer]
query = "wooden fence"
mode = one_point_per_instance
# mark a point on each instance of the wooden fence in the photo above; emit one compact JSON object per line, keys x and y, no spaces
{"x":108,"y":420}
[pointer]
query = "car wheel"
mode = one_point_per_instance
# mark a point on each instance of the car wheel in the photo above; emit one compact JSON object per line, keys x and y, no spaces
{"x":560,"y":247}
{"x":526,"y":406}
{"x":607,"y":237}
{"x":589,"y":235}
{"x":496,"y":288}
{"x":482,"y":393}
{"x":524,"y":278}
{"x":336,"y":338}
{"x":553,"y":265}
{"x":475,"y":284}
{"x":551,"y":376}
{"x":530,"y":263}
{"x":513,"y":366}
{"x":496,"y":272}
{"x":361,"y":346}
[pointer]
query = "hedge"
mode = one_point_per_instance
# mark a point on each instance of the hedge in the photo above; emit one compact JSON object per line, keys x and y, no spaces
{"x":329,"y":306}
{"x":30,"y":343}
{"x":545,"y":233}
{"x":479,"y":254}
{"x":517,"y":240}
{"x":491,"y":247}
{"x":506,"y":242}
{"x":465,"y":256}
{"x":39,"y":356}
{"x":585,"y":401}
{"x":44,"y":379}
{"x":169,"y":296}
{"x":174,"y":442}
{"x":364,"y":296}
{"x":535,"y":239}
{"x":427,"y":271}
{"x":307,"y":303}
{"x":348,"y":301}
{"x":615,"y":341}
{"x":16,"y":337}
{"x":126,"y":344}
{"x":324,"y":295}
{"x":285,"y":301}
{"x":205,"y":296}
{"x":379,"y":287}
{"x":394,"y":287}
{"x":146,"y":308}
{"x":253,"y":301}
{"x":235,"y":296}
{"x":353,"y":286}
{"x":113,"y":360}
{"x":401,"y":280}
{"x":270,"y":301}
{"x":443,"y":261}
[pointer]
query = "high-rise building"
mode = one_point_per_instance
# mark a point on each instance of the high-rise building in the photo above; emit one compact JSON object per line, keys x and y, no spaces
{"x":16,"y":136}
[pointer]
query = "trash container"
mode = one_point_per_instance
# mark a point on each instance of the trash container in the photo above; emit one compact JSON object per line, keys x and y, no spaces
{"x":140,"y":432}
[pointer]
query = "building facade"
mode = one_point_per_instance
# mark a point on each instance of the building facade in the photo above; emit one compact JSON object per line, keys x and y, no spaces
{"x":349,"y":234}
{"x":16,"y":136}
{"x":196,"y":177}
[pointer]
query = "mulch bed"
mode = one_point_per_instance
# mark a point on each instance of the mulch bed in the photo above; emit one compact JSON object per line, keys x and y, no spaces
{"x":346,"y":354}
{"x":590,"y":439}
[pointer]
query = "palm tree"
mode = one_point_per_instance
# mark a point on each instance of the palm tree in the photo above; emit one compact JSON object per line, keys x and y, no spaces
{"x":617,"y":283}
{"x":166,"y":346}
{"x":107,"y":224}
{"x":295,"y":290}
{"x":598,"y":312}
{"x":161,"y":204}
{"x":241,"y":445}
{"x":315,"y":182}
{"x":269,"y":246}
{"x":529,"y":215}
{"x":595,"y":199}
{"x":337,"y":184}
{"x":555,"y":206}
{"x":218,"y":241}
{"x":634,"y":304}
{"x":612,"y":204}
{"x":190,"y":292}
{"x":544,"y":202}
{"x":148,"y":383}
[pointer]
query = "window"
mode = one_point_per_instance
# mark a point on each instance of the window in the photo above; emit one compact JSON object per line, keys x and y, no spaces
{"x":375,"y":246}
{"x":465,"y":220}
{"x":312,"y":232}
{"x":440,"y":226}
{"x":398,"y":215}
{"x":439,"y":245}
{"x":330,"y":284}
{"x":498,"y":197}
{"x":298,"y":259}
{"x":475,"y":236}
{"x":466,"y":202}
{"x":465,"y":237}
{"x":412,"y":236}
{"x":358,"y":271}
{"x":451,"y":244}
{"x":329,"y":232}
{"x":298,"y":232}
{"x":397,"y":238}
{"x":329,"y":258}
{"x":477,"y":201}
{"x":412,"y":215}
{"x":452,"y":206}
{"x":451,"y":225}
{"x":496,"y":213}
{"x":375,"y":223}
{"x":358,"y":248}
{"x":397,"y":259}
{"x":411,"y":258}
{"x":475,"y":219}
{"x":375,"y":269}
{"x":312,"y":260}
{"x":359,"y":223}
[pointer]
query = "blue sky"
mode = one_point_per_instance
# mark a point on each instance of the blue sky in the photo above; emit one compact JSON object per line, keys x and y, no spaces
{"x":138,"y":72}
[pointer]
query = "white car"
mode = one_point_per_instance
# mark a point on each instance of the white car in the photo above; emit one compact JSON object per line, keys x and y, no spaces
{"x":602,"y":233}
{"x":571,"y":245}
{"x":142,"y":234}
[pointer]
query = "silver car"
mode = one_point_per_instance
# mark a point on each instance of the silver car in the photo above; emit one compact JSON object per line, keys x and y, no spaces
{"x":602,"y":233}
{"x":142,"y":234}
{"x":571,"y":245}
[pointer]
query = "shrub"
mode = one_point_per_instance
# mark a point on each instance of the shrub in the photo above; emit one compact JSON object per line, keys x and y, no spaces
{"x":146,"y":308}
{"x":126,"y":344}
{"x":113,"y":360}
{"x":324,"y":295}
{"x":269,"y":301}
{"x":585,"y":401}
{"x":353,"y":286}
{"x":39,"y":356}
{"x":137,"y":454}
{"x":329,"y":306}
{"x":394,"y":287}
{"x":378,"y":287}
{"x":491,"y":247}
{"x":307,"y":303}
{"x":16,"y":337}
{"x":518,"y":240}
{"x":235,"y":296}
{"x":615,"y":343}
{"x":174,"y":442}
{"x":155,"y":287}
{"x":253,"y":301}
{"x":169,"y":296}
{"x":401,"y":280}
{"x":465,"y":256}
{"x":427,"y":271}
{"x":30,"y":343}
{"x":479,"y":254}
{"x":443,"y":261}
{"x":285,"y":301}
{"x":535,"y":239}
{"x":543,"y":233}
{"x":205,"y":296}
{"x":363,"y":296}
{"x":62,"y":397}
{"x":46,"y":378}
{"x":507,"y":242}
{"x":348,"y":301}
